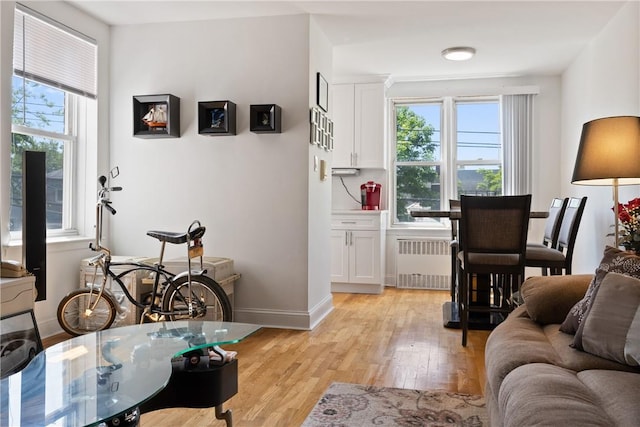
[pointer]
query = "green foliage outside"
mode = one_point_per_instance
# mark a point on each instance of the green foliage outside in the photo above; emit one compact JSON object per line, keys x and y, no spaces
{"x":413,"y":144}
{"x":491,"y":180}
{"x":22,"y":114}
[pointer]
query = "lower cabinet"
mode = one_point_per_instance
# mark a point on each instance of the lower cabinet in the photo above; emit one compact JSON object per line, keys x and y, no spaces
{"x":357,"y":252}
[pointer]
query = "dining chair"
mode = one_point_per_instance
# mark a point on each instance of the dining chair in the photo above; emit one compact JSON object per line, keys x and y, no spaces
{"x":551,"y":229}
{"x":454,"y":248}
{"x":560,"y":257}
{"x":493,"y":234}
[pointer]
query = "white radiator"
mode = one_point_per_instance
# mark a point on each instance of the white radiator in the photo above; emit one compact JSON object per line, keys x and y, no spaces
{"x":423,"y":264}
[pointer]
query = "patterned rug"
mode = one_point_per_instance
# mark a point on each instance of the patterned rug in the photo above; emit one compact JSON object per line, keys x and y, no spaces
{"x":362,"y":405}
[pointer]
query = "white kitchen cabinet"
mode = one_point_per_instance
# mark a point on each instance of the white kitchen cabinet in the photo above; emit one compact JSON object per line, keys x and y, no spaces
{"x":359,"y":123}
{"x":357,"y":251}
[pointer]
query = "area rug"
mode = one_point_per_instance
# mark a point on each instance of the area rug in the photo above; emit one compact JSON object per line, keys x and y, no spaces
{"x":362,"y":405}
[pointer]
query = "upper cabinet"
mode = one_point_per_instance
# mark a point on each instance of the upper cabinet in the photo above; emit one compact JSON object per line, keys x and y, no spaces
{"x":358,"y":132}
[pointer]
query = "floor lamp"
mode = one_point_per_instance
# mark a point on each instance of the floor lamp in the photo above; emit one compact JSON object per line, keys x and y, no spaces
{"x":609,"y":154}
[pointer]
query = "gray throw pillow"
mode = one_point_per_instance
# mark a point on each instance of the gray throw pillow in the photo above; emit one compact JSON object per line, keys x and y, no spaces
{"x":611,"y":328}
{"x":614,"y":260}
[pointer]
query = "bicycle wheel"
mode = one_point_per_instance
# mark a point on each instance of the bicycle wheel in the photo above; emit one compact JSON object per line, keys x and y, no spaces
{"x":212,"y":303}
{"x":76,"y":320}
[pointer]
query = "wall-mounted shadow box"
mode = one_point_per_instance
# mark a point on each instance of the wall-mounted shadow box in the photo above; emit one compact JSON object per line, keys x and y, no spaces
{"x":265,"y":118}
{"x":216,"y":118}
{"x":156,"y":116}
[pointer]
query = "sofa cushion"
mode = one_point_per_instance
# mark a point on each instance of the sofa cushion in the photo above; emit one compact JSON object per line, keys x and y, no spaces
{"x":515,"y":342}
{"x":611,"y":328}
{"x":549,"y":298}
{"x":617,"y":392}
{"x":541,"y":394}
{"x":576,"y":360}
{"x":614,"y":260}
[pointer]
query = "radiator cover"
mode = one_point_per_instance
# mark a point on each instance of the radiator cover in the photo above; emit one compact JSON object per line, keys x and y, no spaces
{"x":423,"y":264}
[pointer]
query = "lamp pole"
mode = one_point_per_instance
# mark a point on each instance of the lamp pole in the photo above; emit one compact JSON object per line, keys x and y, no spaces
{"x":615,"y":211}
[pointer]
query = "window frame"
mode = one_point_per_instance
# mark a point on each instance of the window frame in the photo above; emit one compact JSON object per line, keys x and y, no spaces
{"x":448,"y":162}
{"x":70,"y":142}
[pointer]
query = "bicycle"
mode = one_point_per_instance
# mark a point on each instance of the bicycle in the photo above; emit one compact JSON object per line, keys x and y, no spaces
{"x":186,"y":295}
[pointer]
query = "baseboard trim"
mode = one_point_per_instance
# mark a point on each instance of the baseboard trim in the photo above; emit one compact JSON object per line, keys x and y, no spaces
{"x":301,"y":320}
{"x":357,"y":288}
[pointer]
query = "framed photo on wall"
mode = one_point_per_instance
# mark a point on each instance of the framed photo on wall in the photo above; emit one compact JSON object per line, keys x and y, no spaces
{"x":216,"y":118}
{"x":322,"y":92}
{"x":19,"y":341}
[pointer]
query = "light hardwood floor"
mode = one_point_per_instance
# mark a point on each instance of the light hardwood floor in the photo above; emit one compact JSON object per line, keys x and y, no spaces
{"x":393,"y":340}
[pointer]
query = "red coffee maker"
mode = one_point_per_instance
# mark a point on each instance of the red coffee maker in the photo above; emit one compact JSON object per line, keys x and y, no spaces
{"x":370,"y":195}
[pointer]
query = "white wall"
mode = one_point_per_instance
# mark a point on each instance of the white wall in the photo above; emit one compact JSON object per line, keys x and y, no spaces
{"x":319,"y":256}
{"x":253,"y":192}
{"x":604,"y":80}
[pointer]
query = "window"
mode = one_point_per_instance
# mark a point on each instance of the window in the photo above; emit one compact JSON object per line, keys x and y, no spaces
{"x":444,"y":148}
{"x":53,"y":96}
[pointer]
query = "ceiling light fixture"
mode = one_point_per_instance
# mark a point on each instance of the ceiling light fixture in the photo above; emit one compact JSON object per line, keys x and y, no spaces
{"x":459,"y":53}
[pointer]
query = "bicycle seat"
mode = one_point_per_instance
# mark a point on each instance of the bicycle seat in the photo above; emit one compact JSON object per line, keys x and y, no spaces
{"x":177,"y":237}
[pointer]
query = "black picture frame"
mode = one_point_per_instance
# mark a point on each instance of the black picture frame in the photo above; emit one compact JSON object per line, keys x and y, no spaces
{"x":216,"y":118}
{"x":265,"y":118}
{"x":322,"y":90}
{"x":19,"y":341}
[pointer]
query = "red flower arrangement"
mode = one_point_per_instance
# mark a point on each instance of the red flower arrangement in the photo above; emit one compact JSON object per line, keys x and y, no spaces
{"x":629,"y":216}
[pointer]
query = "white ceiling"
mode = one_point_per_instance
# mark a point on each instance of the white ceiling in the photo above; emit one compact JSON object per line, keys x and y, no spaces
{"x":404,"y":39}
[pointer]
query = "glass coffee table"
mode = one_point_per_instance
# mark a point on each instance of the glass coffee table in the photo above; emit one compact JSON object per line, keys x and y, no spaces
{"x":110,"y":377}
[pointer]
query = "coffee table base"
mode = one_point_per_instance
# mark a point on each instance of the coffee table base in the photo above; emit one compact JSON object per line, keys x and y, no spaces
{"x":200,"y":387}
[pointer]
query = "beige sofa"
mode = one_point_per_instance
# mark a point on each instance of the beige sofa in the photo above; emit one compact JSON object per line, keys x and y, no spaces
{"x":534,"y":376}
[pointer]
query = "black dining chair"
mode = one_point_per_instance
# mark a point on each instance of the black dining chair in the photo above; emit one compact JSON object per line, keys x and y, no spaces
{"x":560,"y":257}
{"x":551,"y":229}
{"x":493,"y":234}
{"x":454,"y":247}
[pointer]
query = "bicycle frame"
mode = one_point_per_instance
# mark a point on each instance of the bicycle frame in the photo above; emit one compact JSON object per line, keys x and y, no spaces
{"x":158,"y":288}
{"x":104,"y":262}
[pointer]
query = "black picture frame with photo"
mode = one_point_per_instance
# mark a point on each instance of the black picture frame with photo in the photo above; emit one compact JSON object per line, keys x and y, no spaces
{"x":216,"y":118}
{"x":19,"y":341}
{"x":265,"y":118}
{"x":322,"y":90}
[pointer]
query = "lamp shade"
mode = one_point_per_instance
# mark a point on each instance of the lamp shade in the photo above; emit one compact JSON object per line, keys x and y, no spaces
{"x":609,"y":152}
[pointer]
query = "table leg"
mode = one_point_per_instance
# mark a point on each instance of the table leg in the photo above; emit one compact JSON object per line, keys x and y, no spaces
{"x":224,"y":415}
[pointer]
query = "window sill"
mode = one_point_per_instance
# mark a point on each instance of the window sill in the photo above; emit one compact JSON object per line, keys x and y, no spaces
{"x":60,"y":240}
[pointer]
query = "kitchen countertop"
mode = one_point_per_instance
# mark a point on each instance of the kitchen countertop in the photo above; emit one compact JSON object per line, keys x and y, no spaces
{"x":356,"y":212}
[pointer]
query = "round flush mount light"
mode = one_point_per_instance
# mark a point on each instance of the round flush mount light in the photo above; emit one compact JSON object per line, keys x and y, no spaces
{"x":459,"y":53}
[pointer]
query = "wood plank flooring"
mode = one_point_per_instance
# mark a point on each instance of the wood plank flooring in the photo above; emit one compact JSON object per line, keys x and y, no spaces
{"x":394,"y":340}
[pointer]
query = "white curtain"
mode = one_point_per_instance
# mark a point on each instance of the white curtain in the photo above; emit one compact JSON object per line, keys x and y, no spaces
{"x":517,"y":135}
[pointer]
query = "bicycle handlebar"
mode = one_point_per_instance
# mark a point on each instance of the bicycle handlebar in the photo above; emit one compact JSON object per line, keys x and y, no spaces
{"x":103,"y":203}
{"x":108,"y":207}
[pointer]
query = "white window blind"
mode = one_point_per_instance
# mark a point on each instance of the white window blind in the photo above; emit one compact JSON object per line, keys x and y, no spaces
{"x":48,"y":52}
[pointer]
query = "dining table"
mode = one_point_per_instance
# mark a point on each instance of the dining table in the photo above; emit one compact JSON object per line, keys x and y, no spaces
{"x":450,"y":312}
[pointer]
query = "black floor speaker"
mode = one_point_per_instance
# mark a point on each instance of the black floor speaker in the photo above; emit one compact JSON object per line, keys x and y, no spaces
{"x":34,"y":218}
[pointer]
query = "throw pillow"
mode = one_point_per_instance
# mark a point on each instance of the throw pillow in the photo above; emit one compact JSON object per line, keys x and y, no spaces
{"x":549,"y":298}
{"x":611,"y":328}
{"x":614,"y":260}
